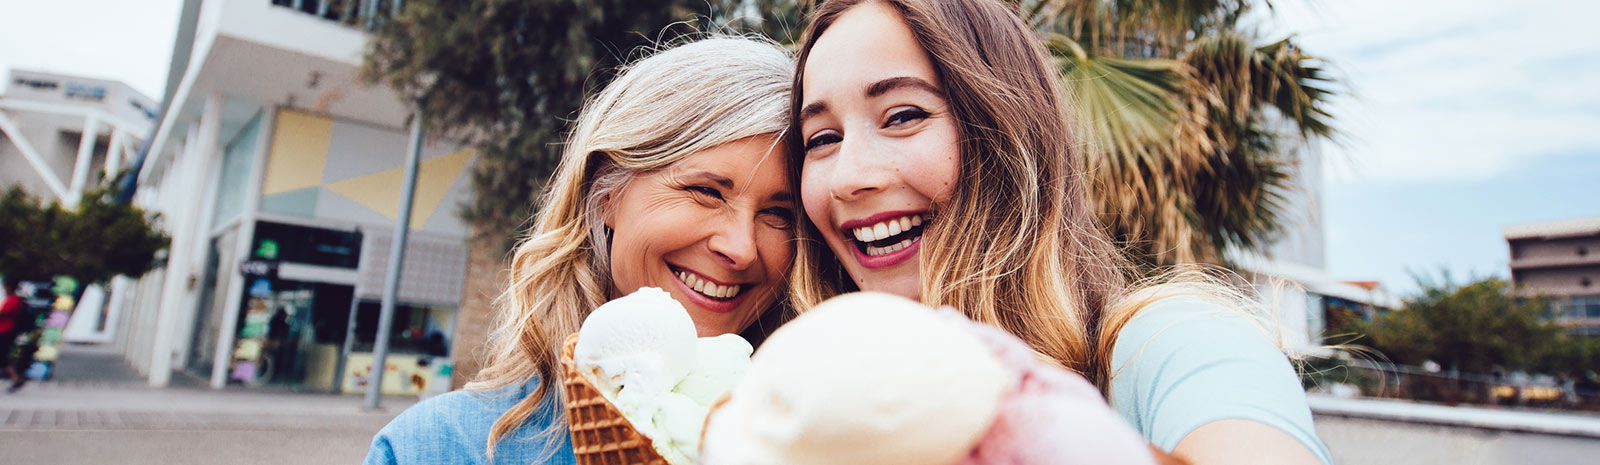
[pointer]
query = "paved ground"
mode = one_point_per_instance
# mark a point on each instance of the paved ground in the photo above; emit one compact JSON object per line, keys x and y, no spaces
{"x":98,"y":410}
{"x":1359,"y":441}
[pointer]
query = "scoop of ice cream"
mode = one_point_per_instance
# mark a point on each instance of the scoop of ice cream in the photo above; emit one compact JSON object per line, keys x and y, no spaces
{"x":636,"y":348}
{"x":1052,"y":417}
{"x":678,"y":421}
{"x":861,"y":379}
{"x":720,"y":362}
{"x":641,"y":353}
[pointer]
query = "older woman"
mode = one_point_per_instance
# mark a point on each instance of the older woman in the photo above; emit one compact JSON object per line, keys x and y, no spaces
{"x":673,"y":178}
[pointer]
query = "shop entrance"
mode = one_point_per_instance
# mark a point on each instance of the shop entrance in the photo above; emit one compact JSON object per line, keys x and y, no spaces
{"x":291,"y":333}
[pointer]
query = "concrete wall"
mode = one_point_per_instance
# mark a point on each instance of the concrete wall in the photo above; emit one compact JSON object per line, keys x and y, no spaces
{"x":1557,"y":248}
{"x":1559,"y":281}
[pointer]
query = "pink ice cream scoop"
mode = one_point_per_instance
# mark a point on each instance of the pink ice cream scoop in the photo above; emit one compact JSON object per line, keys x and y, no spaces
{"x":1052,"y":417}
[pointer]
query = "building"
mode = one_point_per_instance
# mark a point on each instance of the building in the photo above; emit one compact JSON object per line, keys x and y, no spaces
{"x":43,"y":120}
{"x":1560,"y":261}
{"x":278,"y":174}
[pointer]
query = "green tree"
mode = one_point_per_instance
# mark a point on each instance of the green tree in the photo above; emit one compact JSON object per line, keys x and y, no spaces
{"x":92,"y":243}
{"x":1191,"y":120}
{"x":509,"y":76}
{"x":1476,"y":328}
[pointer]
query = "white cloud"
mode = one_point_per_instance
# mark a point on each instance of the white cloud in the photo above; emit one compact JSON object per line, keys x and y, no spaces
{"x":1451,"y":91}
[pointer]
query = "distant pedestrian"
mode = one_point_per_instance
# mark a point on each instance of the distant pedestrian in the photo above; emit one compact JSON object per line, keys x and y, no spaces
{"x":12,"y":310}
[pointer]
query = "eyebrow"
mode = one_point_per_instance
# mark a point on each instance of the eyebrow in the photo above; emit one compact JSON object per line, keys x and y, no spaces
{"x":874,"y":90}
{"x":727,"y":184}
{"x":886,"y":85}
{"x":720,"y":180}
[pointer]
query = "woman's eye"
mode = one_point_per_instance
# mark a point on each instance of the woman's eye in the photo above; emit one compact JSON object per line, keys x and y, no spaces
{"x":780,"y":218}
{"x":703,"y":191}
{"x":821,"y":140}
{"x":908,"y":115}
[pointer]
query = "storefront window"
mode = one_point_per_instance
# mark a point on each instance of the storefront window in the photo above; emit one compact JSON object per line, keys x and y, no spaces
{"x":416,"y":329}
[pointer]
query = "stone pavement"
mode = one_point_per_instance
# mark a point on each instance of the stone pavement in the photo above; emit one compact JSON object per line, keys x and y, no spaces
{"x":99,"y":410}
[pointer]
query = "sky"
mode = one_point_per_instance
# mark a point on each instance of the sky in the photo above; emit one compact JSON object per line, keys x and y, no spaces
{"x":1459,"y":117}
{"x":120,"y":40}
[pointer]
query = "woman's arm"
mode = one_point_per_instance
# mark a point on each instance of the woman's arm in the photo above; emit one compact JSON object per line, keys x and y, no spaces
{"x":1219,"y":443}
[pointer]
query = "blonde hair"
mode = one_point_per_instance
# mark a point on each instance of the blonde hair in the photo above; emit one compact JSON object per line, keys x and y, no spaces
{"x":656,"y":112}
{"x":1017,"y":245}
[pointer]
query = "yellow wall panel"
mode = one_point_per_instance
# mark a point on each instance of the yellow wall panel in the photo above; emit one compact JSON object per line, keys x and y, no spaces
{"x":299,"y":152}
{"x":380,"y":192}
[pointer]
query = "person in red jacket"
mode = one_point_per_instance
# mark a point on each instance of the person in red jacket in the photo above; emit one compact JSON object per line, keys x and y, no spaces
{"x":11,"y":308}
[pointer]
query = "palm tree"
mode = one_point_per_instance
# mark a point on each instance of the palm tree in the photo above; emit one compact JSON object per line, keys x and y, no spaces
{"x":1191,"y":124}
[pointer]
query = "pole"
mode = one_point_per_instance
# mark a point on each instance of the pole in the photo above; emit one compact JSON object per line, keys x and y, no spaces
{"x":391,"y":280}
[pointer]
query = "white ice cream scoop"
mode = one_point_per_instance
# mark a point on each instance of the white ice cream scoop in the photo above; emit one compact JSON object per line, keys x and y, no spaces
{"x":861,"y":379}
{"x":636,"y":348}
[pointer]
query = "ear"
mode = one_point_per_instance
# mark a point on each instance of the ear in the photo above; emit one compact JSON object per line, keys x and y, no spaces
{"x":608,"y":208}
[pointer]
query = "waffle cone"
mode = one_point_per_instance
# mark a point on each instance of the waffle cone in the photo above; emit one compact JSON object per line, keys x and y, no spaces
{"x":600,"y":434}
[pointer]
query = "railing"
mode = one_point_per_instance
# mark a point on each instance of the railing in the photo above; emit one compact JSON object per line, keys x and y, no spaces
{"x":361,"y":14}
{"x":1384,"y":380}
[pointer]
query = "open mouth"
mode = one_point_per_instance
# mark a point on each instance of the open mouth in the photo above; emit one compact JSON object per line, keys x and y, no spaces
{"x":888,"y":236}
{"x":705,"y":287}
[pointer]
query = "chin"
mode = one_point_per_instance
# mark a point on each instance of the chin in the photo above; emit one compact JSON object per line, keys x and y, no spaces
{"x":903,"y":287}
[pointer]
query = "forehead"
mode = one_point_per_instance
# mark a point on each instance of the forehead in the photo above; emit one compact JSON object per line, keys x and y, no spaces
{"x":867,"y":43}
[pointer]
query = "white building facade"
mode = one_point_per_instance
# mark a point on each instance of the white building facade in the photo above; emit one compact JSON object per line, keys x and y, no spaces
{"x":278,"y":173}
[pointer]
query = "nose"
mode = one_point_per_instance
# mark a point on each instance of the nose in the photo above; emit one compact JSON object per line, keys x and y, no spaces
{"x":734,"y":242}
{"x":858,"y":170}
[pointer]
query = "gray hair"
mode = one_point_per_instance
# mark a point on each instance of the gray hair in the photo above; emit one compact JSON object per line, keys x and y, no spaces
{"x":675,"y":103}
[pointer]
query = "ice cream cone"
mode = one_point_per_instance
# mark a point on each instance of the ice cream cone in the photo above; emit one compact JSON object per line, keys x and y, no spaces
{"x":600,"y":434}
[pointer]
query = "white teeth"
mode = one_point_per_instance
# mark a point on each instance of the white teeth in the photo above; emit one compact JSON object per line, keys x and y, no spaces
{"x":708,"y":288}
{"x":886,"y":229}
{"x":898,"y":246}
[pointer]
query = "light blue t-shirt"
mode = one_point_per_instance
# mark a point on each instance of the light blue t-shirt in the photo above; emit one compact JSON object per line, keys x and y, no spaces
{"x":453,"y":428}
{"x":1184,"y":363}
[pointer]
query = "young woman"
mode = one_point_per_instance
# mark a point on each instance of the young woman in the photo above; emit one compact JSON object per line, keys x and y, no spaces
{"x":938,"y":162}
{"x":673,"y":178}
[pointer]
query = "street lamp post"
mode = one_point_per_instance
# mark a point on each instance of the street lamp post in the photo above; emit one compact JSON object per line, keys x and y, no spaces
{"x":397,"y":249}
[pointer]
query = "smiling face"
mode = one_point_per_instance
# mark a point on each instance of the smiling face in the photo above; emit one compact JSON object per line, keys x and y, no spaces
{"x":713,"y":229}
{"x":881,"y":146}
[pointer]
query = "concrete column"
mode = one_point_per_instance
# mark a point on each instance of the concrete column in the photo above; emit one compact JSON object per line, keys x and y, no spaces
{"x":114,"y":152}
{"x":233,"y":283}
{"x":80,"y":170}
{"x":188,"y":240}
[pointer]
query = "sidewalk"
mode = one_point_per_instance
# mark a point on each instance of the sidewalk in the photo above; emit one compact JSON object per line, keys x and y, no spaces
{"x":99,"y":410}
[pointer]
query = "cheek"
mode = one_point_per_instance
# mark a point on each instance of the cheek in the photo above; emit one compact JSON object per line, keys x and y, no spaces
{"x":938,"y":162}
{"x":777,"y":252}
{"x":814,"y":195}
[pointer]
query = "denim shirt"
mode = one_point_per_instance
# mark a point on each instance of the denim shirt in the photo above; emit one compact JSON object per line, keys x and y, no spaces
{"x":454,"y":428}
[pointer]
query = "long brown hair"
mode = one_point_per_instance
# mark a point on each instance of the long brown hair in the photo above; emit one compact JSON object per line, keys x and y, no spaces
{"x":1017,"y":244}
